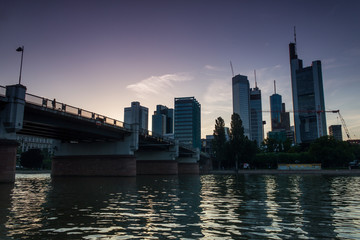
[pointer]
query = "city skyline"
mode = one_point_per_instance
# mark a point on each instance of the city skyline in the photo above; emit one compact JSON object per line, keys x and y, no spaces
{"x":101,"y":56}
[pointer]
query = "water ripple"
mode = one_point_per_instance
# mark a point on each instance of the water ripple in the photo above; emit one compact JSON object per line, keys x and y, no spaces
{"x":181,"y":207}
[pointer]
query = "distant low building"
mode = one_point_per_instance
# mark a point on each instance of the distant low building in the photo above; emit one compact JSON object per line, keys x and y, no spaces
{"x":30,"y":142}
{"x":335,"y":131}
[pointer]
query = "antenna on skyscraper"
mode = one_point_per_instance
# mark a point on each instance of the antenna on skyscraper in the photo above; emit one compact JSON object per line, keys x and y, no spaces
{"x":274,"y":86}
{"x":255,"y":78}
{"x":232,"y":69}
{"x":295,"y":34}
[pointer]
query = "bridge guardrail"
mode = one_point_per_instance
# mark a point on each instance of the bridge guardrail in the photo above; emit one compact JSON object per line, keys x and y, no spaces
{"x":61,"y":107}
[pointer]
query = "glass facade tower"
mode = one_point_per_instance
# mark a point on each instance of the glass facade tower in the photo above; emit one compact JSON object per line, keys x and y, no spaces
{"x":275,"y":109}
{"x":257,"y":127}
{"x":308,"y":98}
{"x":187,"y":121}
{"x":241,"y":101}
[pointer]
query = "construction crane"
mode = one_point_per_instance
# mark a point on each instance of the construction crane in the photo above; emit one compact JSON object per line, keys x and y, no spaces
{"x":342,"y":121}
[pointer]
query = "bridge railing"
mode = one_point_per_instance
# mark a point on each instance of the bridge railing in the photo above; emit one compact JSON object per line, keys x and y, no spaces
{"x":61,"y":107}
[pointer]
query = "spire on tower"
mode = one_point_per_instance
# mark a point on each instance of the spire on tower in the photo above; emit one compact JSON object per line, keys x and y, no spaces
{"x":274,"y":87}
{"x":255,"y":78}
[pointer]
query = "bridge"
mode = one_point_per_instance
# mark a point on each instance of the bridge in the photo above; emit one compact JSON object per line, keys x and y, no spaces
{"x":86,"y":143}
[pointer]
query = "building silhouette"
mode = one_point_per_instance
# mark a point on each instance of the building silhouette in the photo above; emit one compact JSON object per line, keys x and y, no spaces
{"x":137,"y":114}
{"x":256,"y":120}
{"x":308,"y":98}
{"x":275,"y":109}
{"x":335,"y":131}
{"x":187,"y":121}
{"x":163,"y":120}
{"x":241,"y":101}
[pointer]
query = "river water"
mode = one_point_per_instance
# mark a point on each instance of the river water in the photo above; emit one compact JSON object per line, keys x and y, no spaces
{"x":181,"y":207}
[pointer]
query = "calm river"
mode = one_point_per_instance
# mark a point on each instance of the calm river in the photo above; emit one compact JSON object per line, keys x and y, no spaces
{"x":181,"y":207}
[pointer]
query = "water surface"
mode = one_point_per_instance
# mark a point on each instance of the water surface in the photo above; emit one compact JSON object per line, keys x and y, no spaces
{"x":181,"y":207}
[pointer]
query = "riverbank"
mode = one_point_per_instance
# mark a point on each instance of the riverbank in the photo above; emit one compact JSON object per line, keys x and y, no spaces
{"x":248,"y":171}
{"x":275,"y":171}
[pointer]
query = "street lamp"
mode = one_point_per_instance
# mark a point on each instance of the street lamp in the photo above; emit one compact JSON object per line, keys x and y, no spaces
{"x":20,"y":49}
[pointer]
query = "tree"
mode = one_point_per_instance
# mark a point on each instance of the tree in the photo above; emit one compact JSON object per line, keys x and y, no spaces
{"x":33,"y":158}
{"x":237,"y":139}
{"x":331,"y":153}
{"x":219,"y":141}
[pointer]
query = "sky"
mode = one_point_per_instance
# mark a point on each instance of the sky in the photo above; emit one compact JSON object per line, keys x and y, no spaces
{"x":100,"y":55}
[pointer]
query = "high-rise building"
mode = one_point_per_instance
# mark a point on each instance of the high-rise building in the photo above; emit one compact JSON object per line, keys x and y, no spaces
{"x":275,"y":108}
{"x":137,"y":114}
{"x":187,"y":121}
{"x":163,"y":120}
{"x":241,"y":101}
{"x":335,"y":131}
{"x":308,"y":98}
{"x":256,"y":124}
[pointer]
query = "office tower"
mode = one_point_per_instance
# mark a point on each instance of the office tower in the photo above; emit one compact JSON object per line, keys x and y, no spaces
{"x":241,"y":101}
{"x":257,"y":127}
{"x":308,"y":98}
{"x":163,"y":120}
{"x":335,"y":131}
{"x":187,"y":124}
{"x":137,"y":114}
{"x":285,"y":118}
{"x":275,"y":109}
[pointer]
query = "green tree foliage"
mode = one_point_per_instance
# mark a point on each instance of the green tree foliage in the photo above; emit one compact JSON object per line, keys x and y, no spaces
{"x":331,"y":153}
{"x":219,"y":142}
{"x":237,"y":139}
{"x":242,"y":150}
{"x":33,"y":158}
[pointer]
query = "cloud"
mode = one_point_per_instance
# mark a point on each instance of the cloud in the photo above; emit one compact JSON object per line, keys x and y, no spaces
{"x":214,"y":68}
{"x":155,"y":85}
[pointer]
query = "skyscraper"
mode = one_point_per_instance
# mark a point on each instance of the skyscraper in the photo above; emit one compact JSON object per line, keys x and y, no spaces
{"x":257,"y":127}
{"x":187,"y":123}
{"x":308,"y":98}
{"x":275,"y":108}
{"x":137,"y":114}
{"x":241,"y":101}
{"x":163,"y":120}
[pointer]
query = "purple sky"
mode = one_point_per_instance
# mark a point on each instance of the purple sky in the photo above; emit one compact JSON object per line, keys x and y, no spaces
{"x":101,"y":55}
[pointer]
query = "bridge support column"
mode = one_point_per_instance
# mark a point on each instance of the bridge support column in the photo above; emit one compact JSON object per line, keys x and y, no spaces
{"x":189,"y":163}
{"x":96,"y":158}
{"x":157,"y":162}
{"x":8,"y":149}
{"x":11,"y":121}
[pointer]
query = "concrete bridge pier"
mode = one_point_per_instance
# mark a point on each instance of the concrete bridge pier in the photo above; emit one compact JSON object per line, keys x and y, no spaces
{"x":97,"y":158}
{"x":188,"y":163}
{"x":157,"y":160}
{"x":11,"y":121}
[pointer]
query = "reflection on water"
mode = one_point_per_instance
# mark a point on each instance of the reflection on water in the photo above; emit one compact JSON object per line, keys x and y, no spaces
{"x":187,"y":207}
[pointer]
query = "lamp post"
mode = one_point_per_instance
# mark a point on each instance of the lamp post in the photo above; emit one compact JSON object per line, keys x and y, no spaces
{"x":20,"y":49}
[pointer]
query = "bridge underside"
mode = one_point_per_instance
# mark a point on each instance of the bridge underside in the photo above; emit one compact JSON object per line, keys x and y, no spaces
{"x":50,"y":124}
